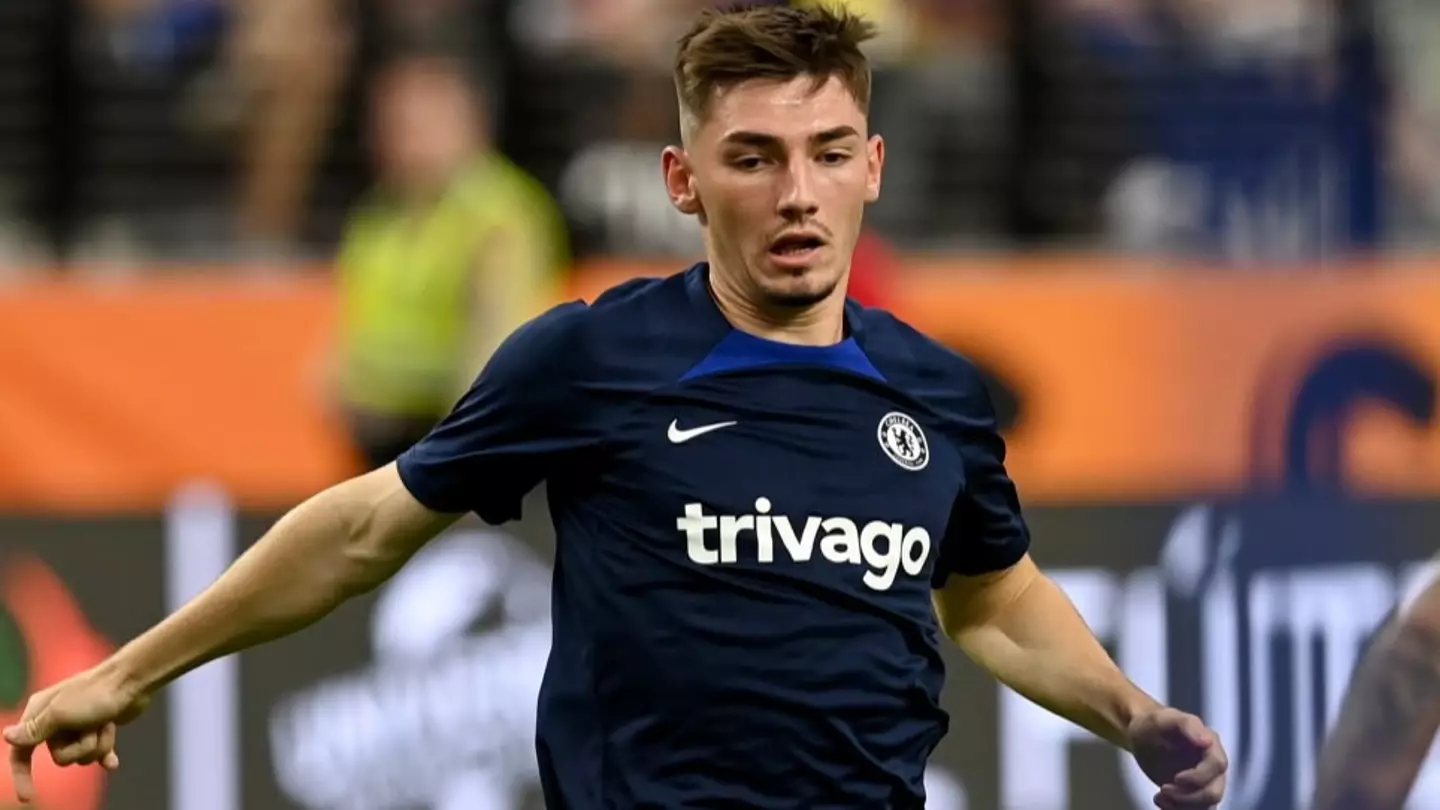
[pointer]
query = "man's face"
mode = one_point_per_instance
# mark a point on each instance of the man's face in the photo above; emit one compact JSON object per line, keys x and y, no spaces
{"x":779,"y":174}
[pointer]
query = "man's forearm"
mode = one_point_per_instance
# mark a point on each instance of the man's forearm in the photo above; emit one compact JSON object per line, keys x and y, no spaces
{"x":311,"y":561}
{"x":1388,"y":720}
{"x":1041,"y":647}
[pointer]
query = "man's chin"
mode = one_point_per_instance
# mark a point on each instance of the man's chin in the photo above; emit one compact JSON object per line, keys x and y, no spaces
{"x":800,"y":294}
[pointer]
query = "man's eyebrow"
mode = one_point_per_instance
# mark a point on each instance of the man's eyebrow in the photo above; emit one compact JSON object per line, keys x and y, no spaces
{"x":764,"y":139}
{"x":746,"y":138}
{"x":833,"y":134}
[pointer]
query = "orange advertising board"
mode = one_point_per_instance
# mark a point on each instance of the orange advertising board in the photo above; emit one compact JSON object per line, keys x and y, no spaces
{"x":111,"y":396}
{"x":1129,"y":386}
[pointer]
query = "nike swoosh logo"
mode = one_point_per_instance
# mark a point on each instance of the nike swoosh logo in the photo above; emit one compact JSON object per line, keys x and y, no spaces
{"x":679,"y":436}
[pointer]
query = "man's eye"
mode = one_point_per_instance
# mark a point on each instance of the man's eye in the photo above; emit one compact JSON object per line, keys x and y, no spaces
{"x":835,"y":158}
{"x":749,"y":163}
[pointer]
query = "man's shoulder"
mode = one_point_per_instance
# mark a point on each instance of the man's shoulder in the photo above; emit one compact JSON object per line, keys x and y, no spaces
{"x":627,"y":305}
{"x":908,"y":356}
{"x":616,"y":338}
{"x":650,"y":293}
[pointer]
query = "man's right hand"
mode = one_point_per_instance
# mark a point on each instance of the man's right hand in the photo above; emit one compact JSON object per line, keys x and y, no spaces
{"x":77,"y":720}
{"x":340,"y":543}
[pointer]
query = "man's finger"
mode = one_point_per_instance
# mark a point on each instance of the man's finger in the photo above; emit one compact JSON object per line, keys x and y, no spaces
{"x":22,"y":733}
{"x":111,"y":762}
{"x":104,"y":750}
{"x":34,"y":726}
{"x":1209,"y":769}
{"x":21,"y":772}
{"x":1165,"y":802}
{"x":1206,"y":797}
{"x":107,"y":741}
{"x":90,"y":751}
{"x":33,"y":729}
{"x":77,"y":751}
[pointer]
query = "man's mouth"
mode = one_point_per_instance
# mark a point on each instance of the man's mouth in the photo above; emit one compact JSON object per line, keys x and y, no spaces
{"x":796,"y":245}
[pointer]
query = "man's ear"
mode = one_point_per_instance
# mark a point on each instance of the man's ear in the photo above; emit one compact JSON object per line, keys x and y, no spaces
{"x":680,"y":181}
{"x":875,"y":163}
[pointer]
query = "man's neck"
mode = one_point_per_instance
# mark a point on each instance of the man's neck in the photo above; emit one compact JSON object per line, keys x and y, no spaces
{"x":821,"y":324}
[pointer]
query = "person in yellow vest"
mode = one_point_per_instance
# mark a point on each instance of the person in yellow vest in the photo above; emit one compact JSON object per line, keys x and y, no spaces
{"x":454,"y":248}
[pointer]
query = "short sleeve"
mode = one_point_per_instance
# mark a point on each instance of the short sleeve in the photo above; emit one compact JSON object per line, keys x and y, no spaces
{"x":987,"y":531}
{"x":520,"y":419}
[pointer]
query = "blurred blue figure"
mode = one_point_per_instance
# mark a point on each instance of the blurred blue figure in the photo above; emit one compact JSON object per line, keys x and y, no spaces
{"x":159,"y":36}
{"x":1259,"y":127}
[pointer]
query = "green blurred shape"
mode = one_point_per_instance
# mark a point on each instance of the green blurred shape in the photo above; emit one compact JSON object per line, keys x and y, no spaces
{"x":14,"y":661}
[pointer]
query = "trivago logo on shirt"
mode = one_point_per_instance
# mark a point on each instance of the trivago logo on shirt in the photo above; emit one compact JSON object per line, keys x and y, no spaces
{"x":885,"y":548}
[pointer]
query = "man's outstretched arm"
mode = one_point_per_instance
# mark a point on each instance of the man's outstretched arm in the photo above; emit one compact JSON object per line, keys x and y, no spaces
{"x":341,"y":543}
{"x":522,"y":418}
{"x":338,"y":544}
{"x":1014,"y":621}
{"x":1390,"y":715}
{"x":1019,"y":625}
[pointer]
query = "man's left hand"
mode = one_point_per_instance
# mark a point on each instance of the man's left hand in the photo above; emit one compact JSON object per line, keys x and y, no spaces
{"x":1182,"y":756}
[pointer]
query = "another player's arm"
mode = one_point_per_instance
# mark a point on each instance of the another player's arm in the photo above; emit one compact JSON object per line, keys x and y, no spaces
{"x":1019,"y":625}
{"x":340,"y":543}
{"x":1390,"y":715}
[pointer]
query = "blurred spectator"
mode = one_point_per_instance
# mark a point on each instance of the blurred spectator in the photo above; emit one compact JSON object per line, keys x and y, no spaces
{"x":1410,"y":29}
{"x":1257,"y":125}
{"x":606,"y":111}
{"x":1248,"y":130}
{"x":176,"y":93}
{"x":153,"y":33}
{"x":289,"y":59}
{"x":942,"y":97}
{"x":454,"y":248}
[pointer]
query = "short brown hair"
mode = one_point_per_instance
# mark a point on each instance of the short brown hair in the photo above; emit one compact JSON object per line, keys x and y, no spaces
{"x":728,"y":46}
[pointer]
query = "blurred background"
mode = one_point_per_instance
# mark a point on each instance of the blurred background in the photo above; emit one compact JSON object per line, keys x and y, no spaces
{"x":160,"y":133}
{"x":251,"y":247}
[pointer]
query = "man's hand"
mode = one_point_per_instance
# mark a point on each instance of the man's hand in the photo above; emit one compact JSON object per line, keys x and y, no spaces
{"x":1180,"y":755}
{"x":77,"y":720}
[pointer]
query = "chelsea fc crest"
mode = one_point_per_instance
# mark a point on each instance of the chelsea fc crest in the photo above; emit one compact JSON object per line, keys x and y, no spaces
{"x":903,"y":441}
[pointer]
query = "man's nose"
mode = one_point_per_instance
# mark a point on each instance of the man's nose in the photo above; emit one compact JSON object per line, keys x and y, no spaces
{"x":798,"y":200}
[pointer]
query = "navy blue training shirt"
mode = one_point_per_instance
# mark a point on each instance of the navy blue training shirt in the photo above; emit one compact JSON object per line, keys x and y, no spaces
{"x":747,"y":536}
